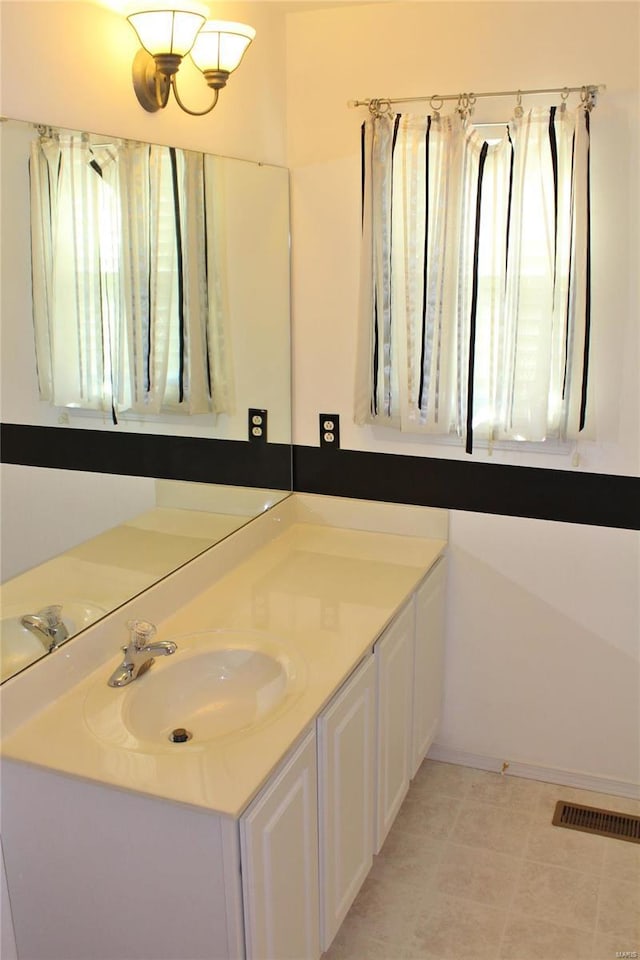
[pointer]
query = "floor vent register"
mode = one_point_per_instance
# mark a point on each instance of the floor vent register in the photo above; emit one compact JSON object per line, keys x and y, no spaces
{"x":604,"y":823}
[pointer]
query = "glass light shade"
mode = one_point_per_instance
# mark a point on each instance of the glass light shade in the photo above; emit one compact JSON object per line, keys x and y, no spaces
{"x":220,"y":45}
{"x":166,"y":31}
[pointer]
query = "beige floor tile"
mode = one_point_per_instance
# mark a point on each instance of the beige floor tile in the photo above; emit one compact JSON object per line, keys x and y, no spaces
{"x":619,"y":907}
{"x":620,"y":804}
{"x":473,"y":868}
{"x":607,"y":946}
{"x":354,"y":945}
{"x":448,"y":779}
{"x":428,"y":815}
{"x":557,"y":895}
{"x":456,"y":929}
{"x":527,"y":938}
{"x":504,"y":790}
{"x":409,"y":857}
{"x":384,"y":910}
{"x":492,"y":827}
{"x":566,"y":848}
{"x":472,"y":873}
{"x":621,"y":860}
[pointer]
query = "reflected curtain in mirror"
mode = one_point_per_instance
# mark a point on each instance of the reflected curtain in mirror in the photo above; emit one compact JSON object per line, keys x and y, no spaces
{"x":128,"y":277}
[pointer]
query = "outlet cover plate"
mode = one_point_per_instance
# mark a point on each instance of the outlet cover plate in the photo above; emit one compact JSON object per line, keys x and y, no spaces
{"x":330,"y":430}
{"x":257,"y":425}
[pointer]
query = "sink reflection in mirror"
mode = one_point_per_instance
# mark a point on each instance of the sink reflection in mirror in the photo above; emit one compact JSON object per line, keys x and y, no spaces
{"x":163,"y":526}
{"x":218,"y":684}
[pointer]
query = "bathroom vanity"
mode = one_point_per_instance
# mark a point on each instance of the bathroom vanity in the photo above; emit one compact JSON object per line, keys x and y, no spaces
{"x":319,"y":627}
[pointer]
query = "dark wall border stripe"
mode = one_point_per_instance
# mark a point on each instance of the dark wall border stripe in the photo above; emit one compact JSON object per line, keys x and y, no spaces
{"x":140,"y":455}
{"x":590,"y":498}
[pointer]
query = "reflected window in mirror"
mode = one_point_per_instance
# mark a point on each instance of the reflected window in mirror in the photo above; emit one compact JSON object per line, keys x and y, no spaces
{"x":129,"y":278}
{"x":247,"y":237}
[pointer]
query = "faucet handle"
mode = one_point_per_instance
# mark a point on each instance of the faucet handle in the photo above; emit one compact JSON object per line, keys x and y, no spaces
{"x":142,"y":632}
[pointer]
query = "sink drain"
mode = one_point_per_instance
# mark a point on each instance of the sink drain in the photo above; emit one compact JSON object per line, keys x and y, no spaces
{"x":180,"y":735}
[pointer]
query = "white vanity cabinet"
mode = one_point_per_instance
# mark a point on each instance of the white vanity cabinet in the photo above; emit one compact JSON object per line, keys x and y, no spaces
{"x":279,"y":851}
{"x":428,"y":662}
{"x":120,"y":875}
{"x":394,"y":653}
{"x":346,"y":793}
{"x":371,"y":739}
{"x":101,"y":874}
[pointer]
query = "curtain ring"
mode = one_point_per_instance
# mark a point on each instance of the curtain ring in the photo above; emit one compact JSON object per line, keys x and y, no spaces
{"x":463,"y":105}
{"x":588,"y":97}
{"x":379,"y":107}
{"x":564,"y":96}
{"x":518,"y":112}
{"x":436,"y":103}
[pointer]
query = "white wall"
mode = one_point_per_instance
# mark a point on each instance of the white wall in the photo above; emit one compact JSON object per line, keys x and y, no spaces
{"x":542,"y":656}
{"x":68,"y":63}
{"x":543,"y":628}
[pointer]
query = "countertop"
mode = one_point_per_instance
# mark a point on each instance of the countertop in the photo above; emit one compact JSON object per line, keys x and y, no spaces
{"x":324,"y":593}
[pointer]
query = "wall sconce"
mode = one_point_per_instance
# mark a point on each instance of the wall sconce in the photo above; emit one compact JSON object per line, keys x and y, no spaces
{"x":166,"y":36}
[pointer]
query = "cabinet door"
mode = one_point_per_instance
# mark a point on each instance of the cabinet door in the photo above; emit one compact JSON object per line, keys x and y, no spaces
{"x":394,"y":654}
{"x":428,"y":663}
{"x":279,"y":844}
{"x":346,"y":763}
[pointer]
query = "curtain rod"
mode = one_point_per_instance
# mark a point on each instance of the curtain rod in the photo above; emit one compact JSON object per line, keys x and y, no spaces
{"x":588,"y":93}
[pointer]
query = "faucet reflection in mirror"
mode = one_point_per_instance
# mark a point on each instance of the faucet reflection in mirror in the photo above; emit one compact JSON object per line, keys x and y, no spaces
{"x":48,"y":626}
{"x":129,"y":276}
{"x":167,"y":36}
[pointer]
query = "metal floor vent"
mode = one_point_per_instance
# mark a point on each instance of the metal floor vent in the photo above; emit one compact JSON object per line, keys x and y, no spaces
{"x":605,"y":823}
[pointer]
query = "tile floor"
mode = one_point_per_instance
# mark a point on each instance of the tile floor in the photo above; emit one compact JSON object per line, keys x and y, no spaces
{"x":473,"y":870}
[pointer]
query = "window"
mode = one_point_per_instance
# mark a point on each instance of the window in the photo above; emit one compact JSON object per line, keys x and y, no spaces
{"x":475,"y":277}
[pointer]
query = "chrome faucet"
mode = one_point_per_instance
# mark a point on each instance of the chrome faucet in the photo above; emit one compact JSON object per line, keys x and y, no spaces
{"x":139,"y":653}
{"x":48,"y":626}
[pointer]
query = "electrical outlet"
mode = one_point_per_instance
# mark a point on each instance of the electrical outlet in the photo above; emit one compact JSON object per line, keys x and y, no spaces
{"x":257,"y":425}
{"x":330,"y":430}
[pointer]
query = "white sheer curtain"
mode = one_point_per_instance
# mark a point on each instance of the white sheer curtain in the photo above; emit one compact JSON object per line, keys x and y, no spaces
{"x":123,"y":270}
{"x":73,"y":270}
{"x":474,"y":316}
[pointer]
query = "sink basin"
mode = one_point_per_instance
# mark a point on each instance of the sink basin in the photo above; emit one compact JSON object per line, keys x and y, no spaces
{"x":217,"y":684}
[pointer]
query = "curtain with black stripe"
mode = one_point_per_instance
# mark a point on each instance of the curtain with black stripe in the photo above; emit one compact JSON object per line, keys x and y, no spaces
{"x":474,"y":317}
{"x":129,"y":300}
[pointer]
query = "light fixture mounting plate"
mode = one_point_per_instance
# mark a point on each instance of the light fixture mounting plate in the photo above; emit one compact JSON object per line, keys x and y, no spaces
{"x":151,"y":87}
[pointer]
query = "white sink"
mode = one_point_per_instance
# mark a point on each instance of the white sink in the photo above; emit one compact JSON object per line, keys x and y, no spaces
{"x":218,"y":684}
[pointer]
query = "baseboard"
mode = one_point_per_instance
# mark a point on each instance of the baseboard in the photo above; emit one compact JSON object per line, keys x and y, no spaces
{"x":533,"y":771}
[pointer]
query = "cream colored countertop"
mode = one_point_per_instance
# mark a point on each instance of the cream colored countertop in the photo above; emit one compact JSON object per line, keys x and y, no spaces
{"x":324,"y":594}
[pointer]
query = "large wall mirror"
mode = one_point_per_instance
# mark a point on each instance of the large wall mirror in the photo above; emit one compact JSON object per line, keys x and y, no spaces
{"x":86,"y":490}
